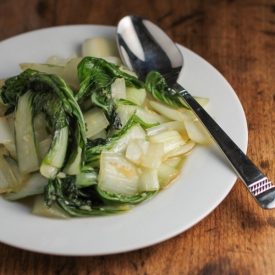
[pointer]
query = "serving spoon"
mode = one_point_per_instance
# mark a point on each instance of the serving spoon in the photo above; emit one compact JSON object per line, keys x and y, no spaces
{"x":144,"y":47}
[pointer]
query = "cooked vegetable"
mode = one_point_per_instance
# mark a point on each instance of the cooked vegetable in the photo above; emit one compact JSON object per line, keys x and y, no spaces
{"x":90,"y":138}
{"x":117,"y":174}
{"x":137,"y":96}
{"x":66,"y":69}
{"x":96,"y":121}
{"x":24,"y":134}
{"x":75,"y":202}
{"x":45,"y":68}
{"x":171,"y":140}
{"x":51,"y":95}
{"x":167,"y":111}
{"x":99,"y":47}
{"x":6,"y":135}
{"x":41,"y":209}
{"x":96,"y":77}
{"x":166,"y":174}
{"x":8,"y":181}
{"x":197,"y":132}
{"x":159,"y":89}
{"x":144,"y":153}
{"x":34,"y":185}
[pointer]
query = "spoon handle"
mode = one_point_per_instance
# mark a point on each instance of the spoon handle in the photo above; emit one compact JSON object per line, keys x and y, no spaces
{"x":262,"y":190}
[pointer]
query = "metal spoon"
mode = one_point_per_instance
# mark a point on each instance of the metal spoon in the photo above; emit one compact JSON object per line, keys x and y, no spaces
{"x":144,"y":47}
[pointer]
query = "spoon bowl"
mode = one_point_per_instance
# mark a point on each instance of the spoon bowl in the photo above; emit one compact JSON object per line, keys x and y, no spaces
{"x":144,"y":47}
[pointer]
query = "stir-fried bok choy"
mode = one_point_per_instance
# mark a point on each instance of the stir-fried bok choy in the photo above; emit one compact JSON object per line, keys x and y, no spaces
{"x":95,"y":144}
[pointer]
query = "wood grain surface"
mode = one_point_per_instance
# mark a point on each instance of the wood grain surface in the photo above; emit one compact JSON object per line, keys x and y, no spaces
{"x":238,"y":38}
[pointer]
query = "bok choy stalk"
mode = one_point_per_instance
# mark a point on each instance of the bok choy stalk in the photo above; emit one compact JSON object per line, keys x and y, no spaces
{"x":51,"y":95}
{"x":94,"y":148}
{"x":157,"y":86}
{"x":96,"y":76}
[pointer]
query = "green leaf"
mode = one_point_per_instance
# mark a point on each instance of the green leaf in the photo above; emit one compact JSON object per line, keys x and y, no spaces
{"x":157,"y":86}
{"x":78,"y":202}
{"x":96,"y":77}
{"x":111,"y":198}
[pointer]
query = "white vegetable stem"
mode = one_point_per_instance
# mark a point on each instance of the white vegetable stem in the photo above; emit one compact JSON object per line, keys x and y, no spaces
{"x":135,"y":132}
{"x":8,"y":181}
{"x":172,"y":141}
{"x":6,"y":135}
{"x":166,"y":174}
{"x":35,"y":185}
{"x":144,"y":153}
{"x":148,"y":180}
{"x":118,"y":89}
{"x":169,"y":126}
{"x":148,"y":116}
{"x":136,"y":95}
{"x":197,"y":132}
{"x":167,"y":111}
{"x":25,"y":139}
{"x":99,"y":47}
{"x":117,"y":175}
{"x":96,"y":121}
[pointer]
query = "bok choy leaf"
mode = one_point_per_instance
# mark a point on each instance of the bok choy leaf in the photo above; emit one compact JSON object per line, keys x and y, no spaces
{"x":96,"y":76}
{"x":76,"y":202}
{"x":157,"y":86}
{"x":51,"y":95}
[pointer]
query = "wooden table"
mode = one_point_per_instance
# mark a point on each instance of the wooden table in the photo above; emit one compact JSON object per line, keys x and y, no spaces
{"x":236,"y":37}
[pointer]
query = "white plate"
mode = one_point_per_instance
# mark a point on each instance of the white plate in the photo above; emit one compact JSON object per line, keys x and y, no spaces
{"x":205,"y":181}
